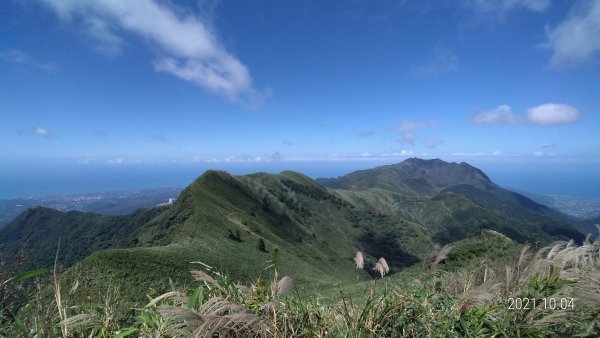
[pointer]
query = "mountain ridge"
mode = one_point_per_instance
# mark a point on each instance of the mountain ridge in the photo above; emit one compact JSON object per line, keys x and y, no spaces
{"x":220,"y":219}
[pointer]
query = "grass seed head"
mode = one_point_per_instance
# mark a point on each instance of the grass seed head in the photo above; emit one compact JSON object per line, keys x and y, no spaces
{"x":359,"y":260}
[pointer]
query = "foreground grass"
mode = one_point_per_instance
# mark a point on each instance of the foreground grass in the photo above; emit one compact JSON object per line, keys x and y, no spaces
{"x":432,"y":299}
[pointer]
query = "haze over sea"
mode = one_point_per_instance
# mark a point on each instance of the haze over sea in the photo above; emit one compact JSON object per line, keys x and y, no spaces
{"x":566,"y":178}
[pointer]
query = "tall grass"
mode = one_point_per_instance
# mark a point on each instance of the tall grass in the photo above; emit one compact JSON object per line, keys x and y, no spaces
{"x":469,"y":302}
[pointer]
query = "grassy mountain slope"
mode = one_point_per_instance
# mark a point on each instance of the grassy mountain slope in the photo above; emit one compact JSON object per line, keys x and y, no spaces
{"x":397,"y":212}
{"x":451,"y":200}
{"x":36,"y":232}
{"x":220,"y":219}
{"x":413,"y":176}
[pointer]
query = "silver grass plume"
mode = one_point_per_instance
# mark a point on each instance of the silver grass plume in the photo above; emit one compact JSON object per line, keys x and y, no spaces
{"x":201,"y":276}
{"x":359,"y":260}
{"x":379,"y":268}
{"x":384,"y":265}
{"x":588,"y":239}
{"x":284,"y":284}
{"x":217,"y":315}
{"x":442,"y":255}
{"x":523,"y":257}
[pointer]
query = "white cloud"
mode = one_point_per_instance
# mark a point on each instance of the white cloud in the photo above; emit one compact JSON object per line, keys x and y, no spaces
{"x":442,"y":61}
{"x":20,"y":57}
{"x":475,"y":154}
{"x":43,"y":132}
{"x":542,"y":154}
{"x":244,"y":158}
{"x":500,"y":115}
{"x":115,"y":161}
{"x":551,"y":113}
{"x":190,"y":48}
{"x":478,"y":154}
{"x":576,"y":39}
{"x":544,"y":114}
{"x":401,"y":153}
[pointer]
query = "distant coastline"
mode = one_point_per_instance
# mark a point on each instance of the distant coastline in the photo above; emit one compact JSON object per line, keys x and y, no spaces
{"x":63,"y":179}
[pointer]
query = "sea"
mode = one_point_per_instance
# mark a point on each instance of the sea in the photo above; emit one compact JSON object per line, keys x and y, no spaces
{"x":26,"y":180}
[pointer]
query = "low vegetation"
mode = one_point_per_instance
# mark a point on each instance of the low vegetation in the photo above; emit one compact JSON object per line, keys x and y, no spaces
{"x":451,"y":293}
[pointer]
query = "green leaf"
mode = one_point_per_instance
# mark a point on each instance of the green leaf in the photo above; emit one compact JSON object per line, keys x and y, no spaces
{"x":25,"y":275}
{"x":126,"y":333}
{"x":194,"y":300}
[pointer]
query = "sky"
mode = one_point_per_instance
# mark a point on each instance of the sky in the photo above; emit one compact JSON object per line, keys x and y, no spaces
{"x":511,"y":86}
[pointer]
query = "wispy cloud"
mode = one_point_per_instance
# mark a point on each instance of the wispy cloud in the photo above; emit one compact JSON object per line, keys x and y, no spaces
{"x":433,"y":143}
{"x":409,"y":138}
{"x":477,"y":154}
{"x":551,"y":113}
{"x":401,"y":153}
{"x":575,"y":40}
{"x":407,"y":130}
{"x":500,"y":115}
{"x":542,"y":115}
{"x":20,"y":57}
{"x":548,"y":145}
{"x":408,"y":126}
{"x":43,"y":132}
{"x":334,"y":157}
{"x":277,"y":156}
{"x":100,"y":132}
{"x":366,"y":133}
{"x":245,"y":158}
{"x":190,"y":48}
{"x":158,"y":137}
{"x":501,"y":7}
{"x":105,"y":40}
{"x":542,"y":154}
{"x":441,"y":61}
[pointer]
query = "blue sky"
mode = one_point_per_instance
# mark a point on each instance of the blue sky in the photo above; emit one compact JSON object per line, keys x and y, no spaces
{"x":101,"y":83}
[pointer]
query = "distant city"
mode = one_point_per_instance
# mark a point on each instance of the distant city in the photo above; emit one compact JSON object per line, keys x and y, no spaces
{"x":580,"y":207}
{"x":107,"y":203}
